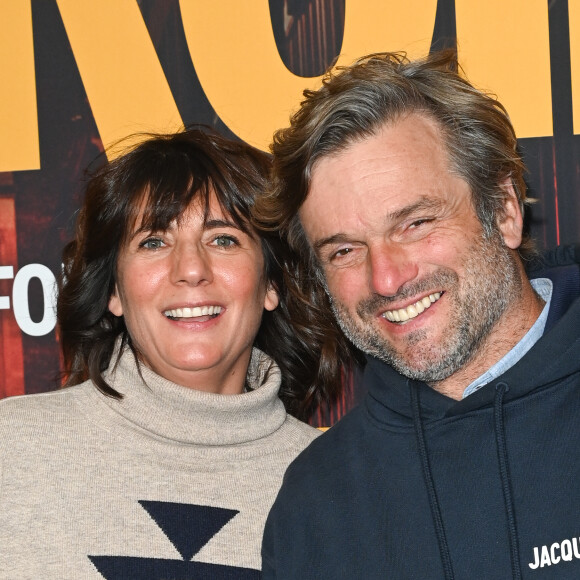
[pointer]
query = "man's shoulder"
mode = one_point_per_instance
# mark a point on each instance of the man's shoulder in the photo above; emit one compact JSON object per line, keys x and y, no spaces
{"x":329,"y":452}
{"x":318,"y":484}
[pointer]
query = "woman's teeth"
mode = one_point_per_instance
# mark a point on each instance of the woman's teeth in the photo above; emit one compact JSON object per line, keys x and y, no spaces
{"x":404,"y":314}
{"x":193,"y":312}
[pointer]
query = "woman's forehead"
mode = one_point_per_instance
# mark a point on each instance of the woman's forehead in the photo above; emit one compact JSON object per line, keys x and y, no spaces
{"x":153,"y":214}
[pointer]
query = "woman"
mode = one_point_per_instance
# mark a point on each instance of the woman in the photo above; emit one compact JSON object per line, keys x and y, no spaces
{"x":164,"y":455}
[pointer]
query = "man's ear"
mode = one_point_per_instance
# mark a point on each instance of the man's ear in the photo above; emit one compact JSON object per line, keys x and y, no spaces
{"x":511,"y":221}
{"x":115,"y":306}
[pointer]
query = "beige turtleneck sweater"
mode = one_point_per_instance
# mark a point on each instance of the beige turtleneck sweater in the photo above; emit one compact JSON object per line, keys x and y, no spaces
{"x":167,"y":483}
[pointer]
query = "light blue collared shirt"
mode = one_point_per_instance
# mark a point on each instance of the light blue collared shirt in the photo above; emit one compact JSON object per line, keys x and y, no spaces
{"x":543,"y":286}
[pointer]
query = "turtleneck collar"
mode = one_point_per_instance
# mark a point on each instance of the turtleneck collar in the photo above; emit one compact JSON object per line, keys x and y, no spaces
{"x":167,"y":411}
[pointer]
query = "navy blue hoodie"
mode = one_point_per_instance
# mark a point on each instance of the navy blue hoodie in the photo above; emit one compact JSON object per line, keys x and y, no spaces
{"x":415,"y":485}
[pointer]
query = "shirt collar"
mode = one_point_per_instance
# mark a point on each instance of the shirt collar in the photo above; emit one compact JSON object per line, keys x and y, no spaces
{"x":544,"y":287}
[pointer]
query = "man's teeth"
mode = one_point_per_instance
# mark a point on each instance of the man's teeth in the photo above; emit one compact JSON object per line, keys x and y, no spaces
{"x":404,"y":314}
{"x":193,"y":312}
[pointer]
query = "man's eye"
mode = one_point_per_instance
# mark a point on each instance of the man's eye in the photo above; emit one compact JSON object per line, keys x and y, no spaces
{"x":151,"y":243}
{"x":340,"y":253}
{"x":420,"y":222}
{"x":224,"y":241}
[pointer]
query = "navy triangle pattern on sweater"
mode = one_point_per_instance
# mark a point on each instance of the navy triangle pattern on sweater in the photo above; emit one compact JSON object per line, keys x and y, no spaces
{"x":188,"y":527}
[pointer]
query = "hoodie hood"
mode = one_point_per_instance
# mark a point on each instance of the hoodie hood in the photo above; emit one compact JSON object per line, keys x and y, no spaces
{"x":547,"y":361}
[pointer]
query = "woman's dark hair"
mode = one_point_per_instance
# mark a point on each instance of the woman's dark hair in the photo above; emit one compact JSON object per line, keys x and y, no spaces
{"x":156,"y":182}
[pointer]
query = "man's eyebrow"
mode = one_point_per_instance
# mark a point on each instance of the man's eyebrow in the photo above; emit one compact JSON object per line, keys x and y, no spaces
{"x":424,"y":203}
{"x":334,"y":239}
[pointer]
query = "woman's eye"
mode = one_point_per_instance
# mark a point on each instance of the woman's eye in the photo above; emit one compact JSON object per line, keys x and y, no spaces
{"x":224,"y":241}
{"x":151,"y":243}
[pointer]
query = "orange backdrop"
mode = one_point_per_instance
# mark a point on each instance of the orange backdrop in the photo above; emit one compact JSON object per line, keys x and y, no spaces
{"x":77,"y":76}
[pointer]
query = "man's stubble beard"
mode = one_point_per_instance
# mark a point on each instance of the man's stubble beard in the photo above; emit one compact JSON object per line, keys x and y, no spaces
{"x":491,"y":283}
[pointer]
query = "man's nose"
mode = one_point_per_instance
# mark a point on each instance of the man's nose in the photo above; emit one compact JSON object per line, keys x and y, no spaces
{"x":391,"y":266}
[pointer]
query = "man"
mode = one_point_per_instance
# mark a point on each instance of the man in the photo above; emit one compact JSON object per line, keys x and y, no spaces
{"x":399,"y":185}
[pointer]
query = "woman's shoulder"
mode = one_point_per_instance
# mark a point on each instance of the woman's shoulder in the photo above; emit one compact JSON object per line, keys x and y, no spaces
{"x":25,"y":411}
{"x":301,"y":433}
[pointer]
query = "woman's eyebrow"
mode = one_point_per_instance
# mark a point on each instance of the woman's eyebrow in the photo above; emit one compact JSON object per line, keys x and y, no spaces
{"x":140,"y":231}
{"x":220,"y":223}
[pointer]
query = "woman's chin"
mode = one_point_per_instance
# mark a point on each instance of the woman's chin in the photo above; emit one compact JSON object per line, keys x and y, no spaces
{"x":206,"y":371}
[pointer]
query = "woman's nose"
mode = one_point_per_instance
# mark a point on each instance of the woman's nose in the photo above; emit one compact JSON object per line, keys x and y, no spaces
{"x":191,"y":265}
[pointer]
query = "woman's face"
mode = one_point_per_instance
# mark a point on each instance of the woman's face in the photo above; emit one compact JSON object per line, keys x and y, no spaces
{"x":192,"y":298}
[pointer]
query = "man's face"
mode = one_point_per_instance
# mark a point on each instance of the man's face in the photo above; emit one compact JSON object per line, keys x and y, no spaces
{"x":411,"y":276}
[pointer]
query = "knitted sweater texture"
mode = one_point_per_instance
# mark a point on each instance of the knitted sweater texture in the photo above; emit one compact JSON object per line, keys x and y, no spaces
{"x":168,"y":482}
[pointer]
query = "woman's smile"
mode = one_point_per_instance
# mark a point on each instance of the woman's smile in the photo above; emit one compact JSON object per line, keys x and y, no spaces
{"x":195,"y":313}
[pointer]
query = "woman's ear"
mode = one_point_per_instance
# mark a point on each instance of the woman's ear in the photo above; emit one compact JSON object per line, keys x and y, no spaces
{"x":272,"y":299}
{"x":511,"y":221}
{"x":115,"y":306}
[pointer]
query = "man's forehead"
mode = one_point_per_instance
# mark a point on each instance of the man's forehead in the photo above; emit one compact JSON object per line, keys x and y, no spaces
{"x":395,"y":144}
{"x":374,"y":182}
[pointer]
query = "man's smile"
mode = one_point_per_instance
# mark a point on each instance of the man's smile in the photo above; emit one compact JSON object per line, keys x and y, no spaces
{"x":403,"y":315}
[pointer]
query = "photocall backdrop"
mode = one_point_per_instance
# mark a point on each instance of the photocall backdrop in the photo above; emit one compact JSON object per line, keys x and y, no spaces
{"x":78,"y":76}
